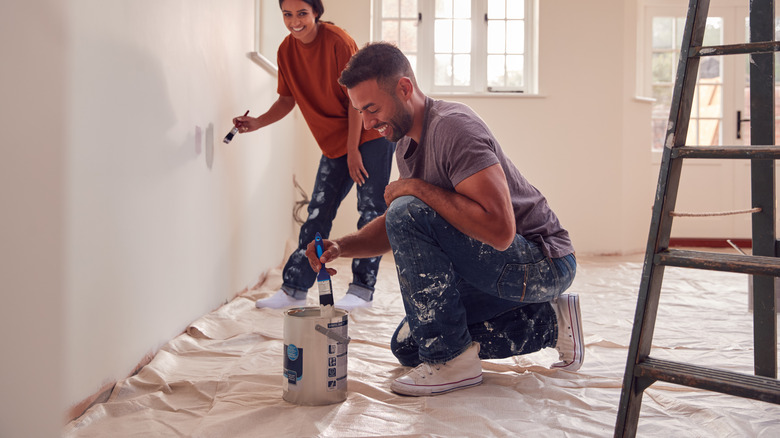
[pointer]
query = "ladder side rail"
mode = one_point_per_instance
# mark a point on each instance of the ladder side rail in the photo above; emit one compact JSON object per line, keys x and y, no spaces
{"x":764,"y":233}
{"x":666,"y":194}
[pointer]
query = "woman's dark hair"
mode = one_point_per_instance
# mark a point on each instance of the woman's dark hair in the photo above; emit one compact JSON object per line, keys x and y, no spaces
{"x":381,"y":61}
{"x":316,"y":6}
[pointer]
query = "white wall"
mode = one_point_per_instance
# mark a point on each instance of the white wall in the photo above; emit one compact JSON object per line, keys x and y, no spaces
{"x":32,"y":78}
{"x":126,"y":216}
{"x":164,"y":221}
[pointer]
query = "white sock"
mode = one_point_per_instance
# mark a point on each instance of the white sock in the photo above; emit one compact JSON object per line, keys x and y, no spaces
{"x":279,"y":300}
{"x":350,"y":301}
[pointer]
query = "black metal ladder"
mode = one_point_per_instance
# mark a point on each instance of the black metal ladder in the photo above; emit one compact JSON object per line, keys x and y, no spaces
{"x":642,"y":370}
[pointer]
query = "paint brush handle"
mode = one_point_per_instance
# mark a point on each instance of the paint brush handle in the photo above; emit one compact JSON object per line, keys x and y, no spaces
{"x":323,"y":278}
{"x":318,"y":245}
{"x":233,"y":132}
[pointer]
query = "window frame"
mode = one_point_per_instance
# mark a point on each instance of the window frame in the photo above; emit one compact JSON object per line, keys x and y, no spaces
{"x":424,"y":66}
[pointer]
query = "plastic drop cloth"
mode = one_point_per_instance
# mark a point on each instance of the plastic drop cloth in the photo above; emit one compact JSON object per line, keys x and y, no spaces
{"x":223,"y":377}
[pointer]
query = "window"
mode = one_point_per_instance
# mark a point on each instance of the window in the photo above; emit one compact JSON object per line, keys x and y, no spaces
{"x":720,"y":111}
{"x":463,"y":45}
{"x":707,"y":110}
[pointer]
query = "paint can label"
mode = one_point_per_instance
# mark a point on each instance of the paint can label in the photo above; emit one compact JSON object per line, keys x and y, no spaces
{"x":293,"y":363}
{"x":337,"y":359}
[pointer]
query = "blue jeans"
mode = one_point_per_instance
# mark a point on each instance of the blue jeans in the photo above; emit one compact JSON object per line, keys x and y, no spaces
{"x":456,"y":290}
{"x":332,"y":185}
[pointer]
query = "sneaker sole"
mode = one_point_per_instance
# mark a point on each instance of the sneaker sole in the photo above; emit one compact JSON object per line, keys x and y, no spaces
{"x":422,"y":390}
{"x":579,"y":348}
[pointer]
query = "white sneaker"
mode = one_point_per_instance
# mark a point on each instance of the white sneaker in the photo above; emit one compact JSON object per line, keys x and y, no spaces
{"x":570,"y":344}
{"x":351,"y":301}
{"x":279,"y":300}
{"x":463,"y":371}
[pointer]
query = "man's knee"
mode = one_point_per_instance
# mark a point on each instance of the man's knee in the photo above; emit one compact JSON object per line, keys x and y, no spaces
{"x":406,"y":208}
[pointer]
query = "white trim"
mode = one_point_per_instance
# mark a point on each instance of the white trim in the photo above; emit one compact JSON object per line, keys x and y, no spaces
{"x":256,"y":56}
{"x":263,"y":62}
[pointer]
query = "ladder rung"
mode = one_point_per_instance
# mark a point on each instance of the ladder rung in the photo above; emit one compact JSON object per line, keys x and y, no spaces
{"x":745,"y":264}
{"x":748,"y":152}
{"x":726,"y":382}
{"x":735,"y":49}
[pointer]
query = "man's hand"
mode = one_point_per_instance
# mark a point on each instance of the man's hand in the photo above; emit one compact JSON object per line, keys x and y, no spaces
{"x":400,"y":187}
{"x":330,"y":252}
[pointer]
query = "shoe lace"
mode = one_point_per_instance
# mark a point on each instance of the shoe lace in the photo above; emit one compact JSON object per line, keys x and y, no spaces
{"x":426,"y":369}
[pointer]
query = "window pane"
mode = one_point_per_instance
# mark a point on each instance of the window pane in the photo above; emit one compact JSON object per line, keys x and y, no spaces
{"x":514,"y":70}
{"x":515,"y":36}
{"x":390,"y":31}
{"x":693,"y":133}
{"x":709,"y":132}
{"x":462,"y":9}
{"x":409,"y":8}
{"x":408,"y":39}
{"x":496,"y":36}
{"x":462,"y":36}
{"x":713,"y":33}
{"x":413,"y":62}
{"x":495,"y":71}
{"x":443,"y":8}
{"x":662,"y":67}
{"x":662,"y":33}
{"x":443,"y":70}
{"x":711,"y":97}
{"x":659,"y":132}
{"x":496,"y":9}
{"x":443,"y":38}
{"x":709,"y":67}
{"x":515,"y":9}
{"x":663,"y":101}
{"x":679,"y":29}
{"x":461,"y":70}
{"x":389,"y":8}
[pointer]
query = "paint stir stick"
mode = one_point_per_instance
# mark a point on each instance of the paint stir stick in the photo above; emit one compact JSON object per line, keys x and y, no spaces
{"x":323,"y":283}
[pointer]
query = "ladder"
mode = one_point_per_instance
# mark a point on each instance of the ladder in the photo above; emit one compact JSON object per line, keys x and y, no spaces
{"x":642,"y":370}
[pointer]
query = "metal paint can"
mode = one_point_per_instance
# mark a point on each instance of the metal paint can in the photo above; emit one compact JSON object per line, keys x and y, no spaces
{"x":315,"y":357}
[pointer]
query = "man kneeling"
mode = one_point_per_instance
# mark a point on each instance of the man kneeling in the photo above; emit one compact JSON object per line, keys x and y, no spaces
{"x":482,"y":259}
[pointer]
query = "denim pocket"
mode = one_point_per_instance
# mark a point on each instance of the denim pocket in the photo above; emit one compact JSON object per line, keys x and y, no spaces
{"x":528,"y":283}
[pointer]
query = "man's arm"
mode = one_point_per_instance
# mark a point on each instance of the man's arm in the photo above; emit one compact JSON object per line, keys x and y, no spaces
{"x":480,"y":207}
{"x":369,"y":241}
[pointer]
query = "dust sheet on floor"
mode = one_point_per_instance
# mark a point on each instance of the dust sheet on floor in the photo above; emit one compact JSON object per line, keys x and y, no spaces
{"x":223,"y":376}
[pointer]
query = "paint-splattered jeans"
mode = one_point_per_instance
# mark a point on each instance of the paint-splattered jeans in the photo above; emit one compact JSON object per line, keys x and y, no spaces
{"x":457,"y":290}
{"x":331,"y":186}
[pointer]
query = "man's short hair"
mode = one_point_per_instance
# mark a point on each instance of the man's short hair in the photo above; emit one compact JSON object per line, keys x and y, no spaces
{"x":381,"y":61}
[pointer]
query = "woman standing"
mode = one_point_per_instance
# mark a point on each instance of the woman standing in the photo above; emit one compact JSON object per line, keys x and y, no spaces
{"x":310,"y":62}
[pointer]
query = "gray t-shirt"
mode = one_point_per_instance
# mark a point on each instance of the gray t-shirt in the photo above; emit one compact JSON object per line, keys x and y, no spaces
{"x":456,"y":144}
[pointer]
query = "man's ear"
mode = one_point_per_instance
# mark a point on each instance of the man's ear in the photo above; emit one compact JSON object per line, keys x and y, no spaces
{"x":405,"y":88}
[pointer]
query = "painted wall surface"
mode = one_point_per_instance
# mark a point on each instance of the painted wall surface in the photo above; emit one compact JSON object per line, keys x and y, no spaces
{"x":32,"y":121}
{"x":164,"y":222}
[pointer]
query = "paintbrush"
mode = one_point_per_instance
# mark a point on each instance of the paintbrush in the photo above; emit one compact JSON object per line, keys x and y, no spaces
{"x":233,"y":131}
{"x":323,"y":282}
